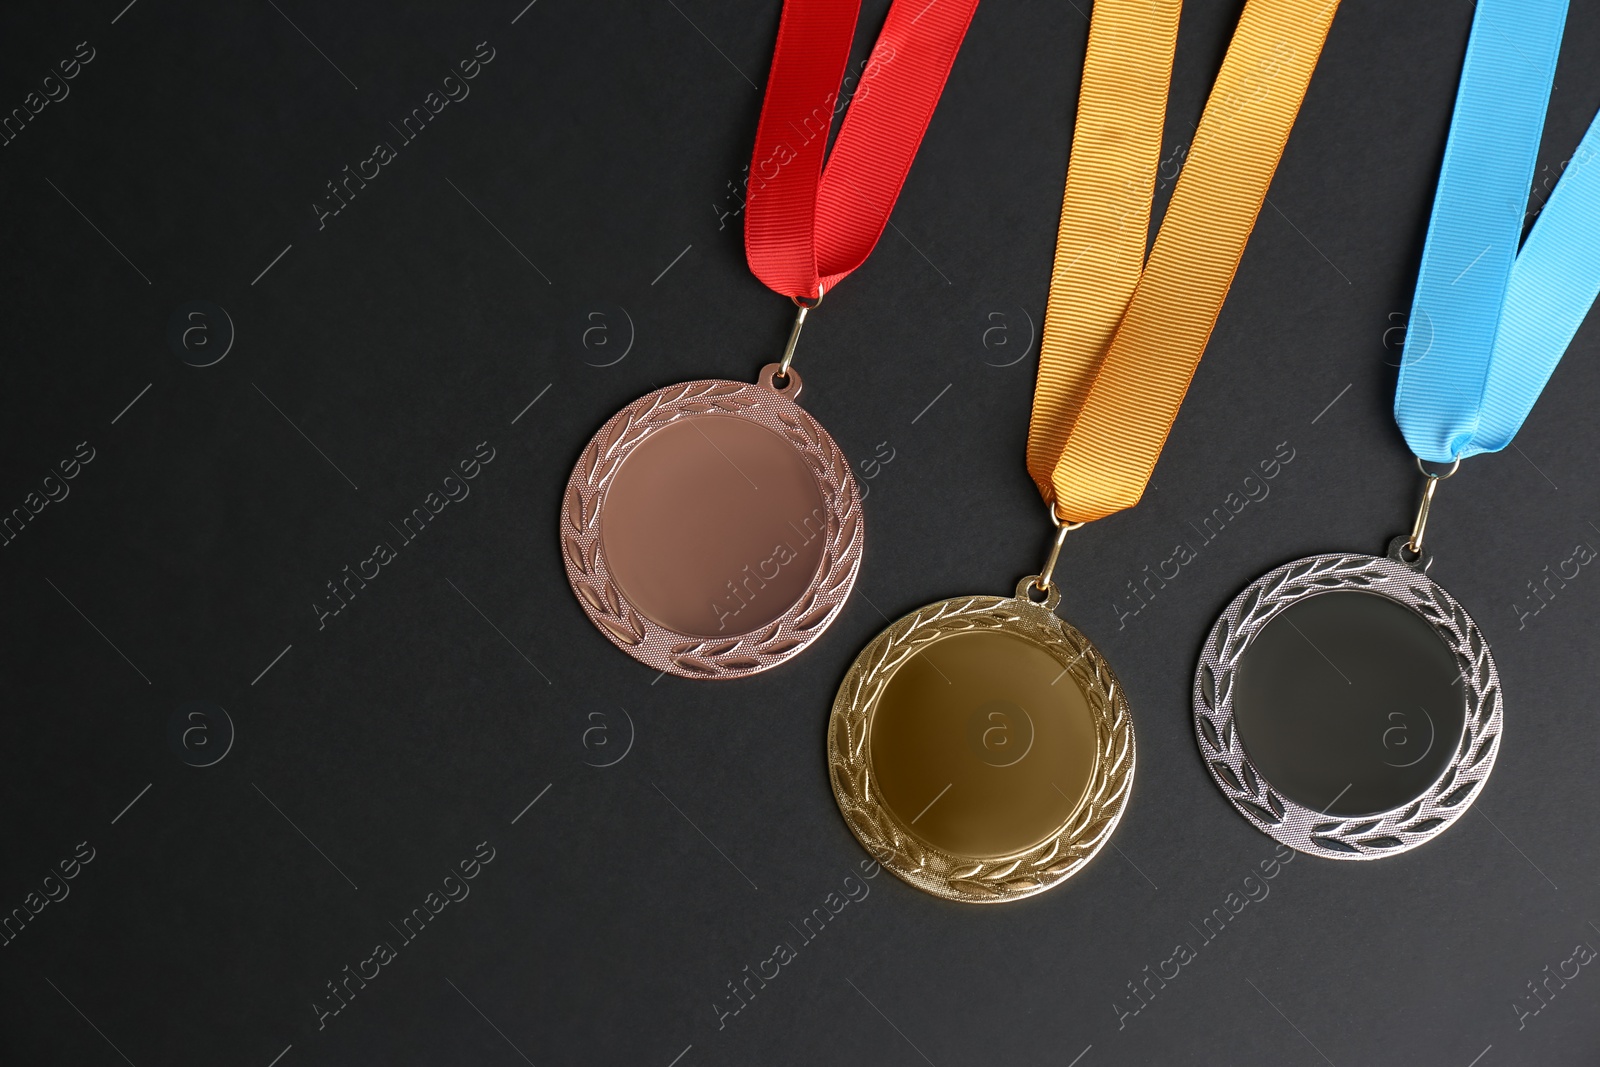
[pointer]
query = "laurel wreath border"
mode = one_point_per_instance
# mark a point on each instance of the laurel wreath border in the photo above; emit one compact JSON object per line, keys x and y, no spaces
{"x":962,"y":878}
{"x":1362,"y":837}
{"x":686,"y":655}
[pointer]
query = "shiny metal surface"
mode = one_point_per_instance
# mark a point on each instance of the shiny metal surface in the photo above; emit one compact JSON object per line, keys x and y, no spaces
{"x":1303,"y":806}
{"x":981,"y":748}
{"x":712,"y":529}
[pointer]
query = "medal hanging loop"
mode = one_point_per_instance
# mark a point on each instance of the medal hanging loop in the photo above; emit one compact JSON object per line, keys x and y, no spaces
{"x":805,"y":304}
{"x":1420,"y":523}
{"x":1043,"y":581}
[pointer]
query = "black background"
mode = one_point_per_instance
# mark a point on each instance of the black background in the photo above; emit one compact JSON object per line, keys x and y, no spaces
{"x":423,"y":319}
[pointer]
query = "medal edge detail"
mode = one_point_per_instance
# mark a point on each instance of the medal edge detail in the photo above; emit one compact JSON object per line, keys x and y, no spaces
{"x":688,"y":655}
{"x":975,"y":880}
{"x":1358,"y":837}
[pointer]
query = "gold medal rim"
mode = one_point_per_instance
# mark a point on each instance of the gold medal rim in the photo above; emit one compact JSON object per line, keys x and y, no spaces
{"x":687,"y":655}
{"x":973,"y":879}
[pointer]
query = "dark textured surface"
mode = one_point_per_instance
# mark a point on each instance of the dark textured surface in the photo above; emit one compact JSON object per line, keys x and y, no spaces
{"x":463,"y":681}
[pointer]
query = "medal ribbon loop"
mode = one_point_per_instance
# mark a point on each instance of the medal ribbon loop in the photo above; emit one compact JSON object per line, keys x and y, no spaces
{"x":1122,"y":337}
{"x":807,"y":226}
{"x":1489,"y":324}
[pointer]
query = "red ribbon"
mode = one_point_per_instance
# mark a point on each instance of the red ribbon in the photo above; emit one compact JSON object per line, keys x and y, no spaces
{"x":806,"y":226}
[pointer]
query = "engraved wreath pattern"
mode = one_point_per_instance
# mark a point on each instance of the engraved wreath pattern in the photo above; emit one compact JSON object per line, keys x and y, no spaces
{"x":668,"y":650}
{"x":935,"y":870}
{"x":1367,"y":836}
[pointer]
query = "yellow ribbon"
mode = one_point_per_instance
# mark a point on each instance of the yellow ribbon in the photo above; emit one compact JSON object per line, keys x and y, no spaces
{"x":1121,"y":338}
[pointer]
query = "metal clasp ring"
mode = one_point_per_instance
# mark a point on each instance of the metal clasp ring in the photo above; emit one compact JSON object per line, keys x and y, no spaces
{"x":1043,"y":580}
{"x":805,"y":304}
{"x":1420,"y":524}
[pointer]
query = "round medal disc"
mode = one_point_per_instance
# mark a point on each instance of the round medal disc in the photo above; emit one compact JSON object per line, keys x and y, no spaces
{"x":981,"y":749}
{"x":1348,"y":706}
{"x":712,"y":529}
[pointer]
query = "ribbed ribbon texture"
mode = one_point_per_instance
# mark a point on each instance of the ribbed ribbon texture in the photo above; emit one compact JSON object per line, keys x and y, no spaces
{"x":1488,"y":324}
{"x":1120,"y":345}
{"x":807,"y":226}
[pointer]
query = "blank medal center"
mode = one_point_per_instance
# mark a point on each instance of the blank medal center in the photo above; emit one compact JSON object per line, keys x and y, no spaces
{"x":982,"y":744}
{"x":1349,"y":703}
{"x":714,"y":526}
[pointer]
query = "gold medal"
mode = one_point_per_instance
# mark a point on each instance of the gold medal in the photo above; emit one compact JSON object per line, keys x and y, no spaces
{"x":981,"y":748}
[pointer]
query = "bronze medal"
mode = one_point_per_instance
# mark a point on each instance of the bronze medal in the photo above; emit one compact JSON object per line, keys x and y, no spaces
{"x":712,"y":529}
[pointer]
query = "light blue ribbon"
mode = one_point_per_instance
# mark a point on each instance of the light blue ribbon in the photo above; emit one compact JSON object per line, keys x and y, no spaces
{"x":1489,"y":325}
